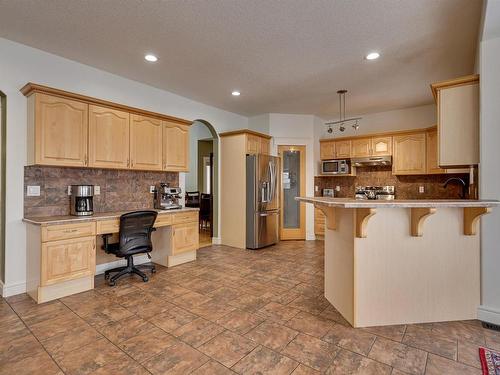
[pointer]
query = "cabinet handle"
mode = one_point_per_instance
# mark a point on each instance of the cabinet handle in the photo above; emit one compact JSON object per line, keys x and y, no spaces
{"x":128,"y":162}
{"x":70,"y":230}
{"x":86,"y":159}
{"x":132,"y":163}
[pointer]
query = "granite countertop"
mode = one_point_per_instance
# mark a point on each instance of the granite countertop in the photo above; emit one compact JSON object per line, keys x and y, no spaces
{"x":66,"y":219}
{"x":397,"y":203}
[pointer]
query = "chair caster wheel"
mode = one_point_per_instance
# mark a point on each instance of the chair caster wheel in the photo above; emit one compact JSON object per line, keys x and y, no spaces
{"x":145,"y":279}
{"x":112,"y":283}
{"x":153,"y":270}
{"x":106,"y":276}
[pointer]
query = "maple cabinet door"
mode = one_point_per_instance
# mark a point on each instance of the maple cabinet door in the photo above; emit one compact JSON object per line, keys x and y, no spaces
{"x":145,"y":143}
{"x":175,"y":147}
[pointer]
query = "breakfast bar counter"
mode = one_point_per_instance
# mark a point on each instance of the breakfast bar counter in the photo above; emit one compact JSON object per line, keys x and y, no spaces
{"x":402,"y":261}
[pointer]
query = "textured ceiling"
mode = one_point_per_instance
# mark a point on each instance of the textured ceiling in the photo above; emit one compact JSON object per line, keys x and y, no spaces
{"x":284,"y":56}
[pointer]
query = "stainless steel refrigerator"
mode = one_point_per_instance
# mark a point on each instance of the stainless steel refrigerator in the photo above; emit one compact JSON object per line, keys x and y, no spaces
{"x":263,"y":202}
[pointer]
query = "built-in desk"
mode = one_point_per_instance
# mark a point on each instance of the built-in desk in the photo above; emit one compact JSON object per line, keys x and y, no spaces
{"x":63,"y":251}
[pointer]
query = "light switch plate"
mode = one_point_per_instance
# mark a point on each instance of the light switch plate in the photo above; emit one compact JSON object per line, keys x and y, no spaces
{"x":316,"y":188}
{"x":152,"y":188}
{"x":33,"y":191}
{"x":97,"y":190}
{"x":421,"y":189}
{"x":69,"y":189}
{"x":337,"y":188}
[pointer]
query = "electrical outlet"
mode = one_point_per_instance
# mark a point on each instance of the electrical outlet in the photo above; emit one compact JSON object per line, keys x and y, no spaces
{"x":152,"y":188}
{"x":69,"y":189}
{"x":337,"y":188}
{"x":97,"y":190}
{"x":33,"y":191}
{"x":316,"y":188}
{"x":421,"y":189}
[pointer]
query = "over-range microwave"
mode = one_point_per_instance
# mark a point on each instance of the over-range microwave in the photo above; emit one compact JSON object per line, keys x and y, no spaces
{"x":335,"y":167}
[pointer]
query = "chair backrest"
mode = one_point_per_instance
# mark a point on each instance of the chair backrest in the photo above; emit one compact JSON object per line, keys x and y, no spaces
{"x":205,"y":204}
{"x":192,"y":198}
{"x":135,"y":231}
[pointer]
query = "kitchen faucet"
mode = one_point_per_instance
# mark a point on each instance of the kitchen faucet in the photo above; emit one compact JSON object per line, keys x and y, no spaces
{"x":459,"y":181}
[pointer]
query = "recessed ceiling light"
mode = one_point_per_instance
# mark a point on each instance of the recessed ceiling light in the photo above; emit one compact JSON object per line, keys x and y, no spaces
{"x":236,"y":93}
{"x":151,"y":58}
{"x":373,"y":56}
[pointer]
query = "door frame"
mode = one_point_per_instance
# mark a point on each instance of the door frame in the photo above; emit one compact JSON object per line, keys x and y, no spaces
{"x":294,"y":233}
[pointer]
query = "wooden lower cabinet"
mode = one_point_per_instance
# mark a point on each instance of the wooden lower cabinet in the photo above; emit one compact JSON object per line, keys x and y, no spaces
{"x":319,"y":222}
{"x":67,"y":260}
{"x":185,"y":237}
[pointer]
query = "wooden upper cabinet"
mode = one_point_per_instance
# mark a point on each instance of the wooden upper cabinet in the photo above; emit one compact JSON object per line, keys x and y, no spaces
{"x":265,"y":146}
{"x":327,"y":150}
{"x":145,"y":143}
{"x":175,"y":147}
{"x":253,"y":144}
{"x":458,"y":121}
{"x":432,"y":153}
{"x":409,"y":154}
{"x":342,"y":149}
{"x":361,"y":147}
{"x":57,"y":131}
{"x":109,"y":134}
{"x":381,"y":146}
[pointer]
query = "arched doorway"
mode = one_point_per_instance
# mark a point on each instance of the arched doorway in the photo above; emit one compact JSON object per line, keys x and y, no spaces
{"x":203,"y":177}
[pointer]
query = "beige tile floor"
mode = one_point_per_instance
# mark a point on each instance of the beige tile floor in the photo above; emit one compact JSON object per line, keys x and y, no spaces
{"x":231,"y":311}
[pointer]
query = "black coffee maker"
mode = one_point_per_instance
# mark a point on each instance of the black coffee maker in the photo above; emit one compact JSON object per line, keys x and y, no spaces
{"x":82,"y":200}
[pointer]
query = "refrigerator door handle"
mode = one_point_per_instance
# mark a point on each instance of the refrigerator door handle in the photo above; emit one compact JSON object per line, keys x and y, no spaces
{"x":269,"y":213}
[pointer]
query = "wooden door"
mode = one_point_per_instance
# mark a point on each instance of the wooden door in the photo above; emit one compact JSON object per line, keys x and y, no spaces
{"x":361,"y":147}
{"x":61,"y":131}
{"x":327,"y":150}
{"x":175,"y":147}
{"x":381,"y":146}
{"x":185,"y":237}
{"x":145,"y":143}
{"x":342,"y":149}
{"x":293,"y":184}
{"x":253,"y":144}
{"x":409,"y":154}
{"x":67,"y":260}
{"x":109,"y":132}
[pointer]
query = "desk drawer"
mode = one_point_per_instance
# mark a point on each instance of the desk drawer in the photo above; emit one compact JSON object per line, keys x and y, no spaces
{"x":66,"y":231}
{"x":186,"y":217}
{"x":108,"y":226}
{"x":163,"y":220}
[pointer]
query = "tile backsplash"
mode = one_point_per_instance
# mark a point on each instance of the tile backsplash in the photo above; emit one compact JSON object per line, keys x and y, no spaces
{"x":120,"y":190}
{"x":407,"y":187}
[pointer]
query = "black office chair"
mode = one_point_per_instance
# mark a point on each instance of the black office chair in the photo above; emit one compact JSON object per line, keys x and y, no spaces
{"x":135,"y":238}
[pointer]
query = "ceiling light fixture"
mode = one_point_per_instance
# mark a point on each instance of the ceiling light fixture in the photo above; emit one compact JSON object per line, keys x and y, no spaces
{"x":236,"y":93}
{"x":151,"y":58}
{"x":372,"y":56}
{"x":342,"y":121}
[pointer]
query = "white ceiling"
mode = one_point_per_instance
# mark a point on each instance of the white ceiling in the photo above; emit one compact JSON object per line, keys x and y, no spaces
{"x":284,"y":56}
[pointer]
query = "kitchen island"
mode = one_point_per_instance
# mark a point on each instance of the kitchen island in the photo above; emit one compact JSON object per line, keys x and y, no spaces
{"x":402,"y":261}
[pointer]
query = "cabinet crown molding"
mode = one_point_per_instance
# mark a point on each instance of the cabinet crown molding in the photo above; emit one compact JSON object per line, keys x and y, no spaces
{"x":381,"y":134}
{"x":31,"y":88}
{"x":245,"y":131}
{"x":466,"y":80}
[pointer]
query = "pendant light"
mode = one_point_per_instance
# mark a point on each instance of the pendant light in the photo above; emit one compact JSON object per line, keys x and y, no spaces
{"x":342,"y":122}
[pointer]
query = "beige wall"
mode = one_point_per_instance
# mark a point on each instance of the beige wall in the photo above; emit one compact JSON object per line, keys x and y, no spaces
{"x":3,"y":126}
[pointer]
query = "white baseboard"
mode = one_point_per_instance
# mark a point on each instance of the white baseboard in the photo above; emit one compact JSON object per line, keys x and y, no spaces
{"x":100,"y":268}
{"x":216,"y":240}
{"x":12,"y":289}
{"x":488,"y":314}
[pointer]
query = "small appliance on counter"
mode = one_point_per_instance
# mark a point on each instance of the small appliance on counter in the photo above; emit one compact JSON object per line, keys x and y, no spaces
{"x":329,"y":193}
{"x":334,"y":167}
{"x":82,"y":200}
{"x":386,"y":193}
{"x":167,"y":198}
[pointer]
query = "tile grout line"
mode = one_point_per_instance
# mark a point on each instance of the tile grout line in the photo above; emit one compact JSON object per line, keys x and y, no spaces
{"x":36,"y":338}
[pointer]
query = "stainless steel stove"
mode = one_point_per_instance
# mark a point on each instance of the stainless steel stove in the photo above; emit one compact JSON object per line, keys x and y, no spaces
{"x":375,"y":192}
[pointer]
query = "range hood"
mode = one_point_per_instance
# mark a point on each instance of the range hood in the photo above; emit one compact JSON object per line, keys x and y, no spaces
{"x":371,"y":161}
